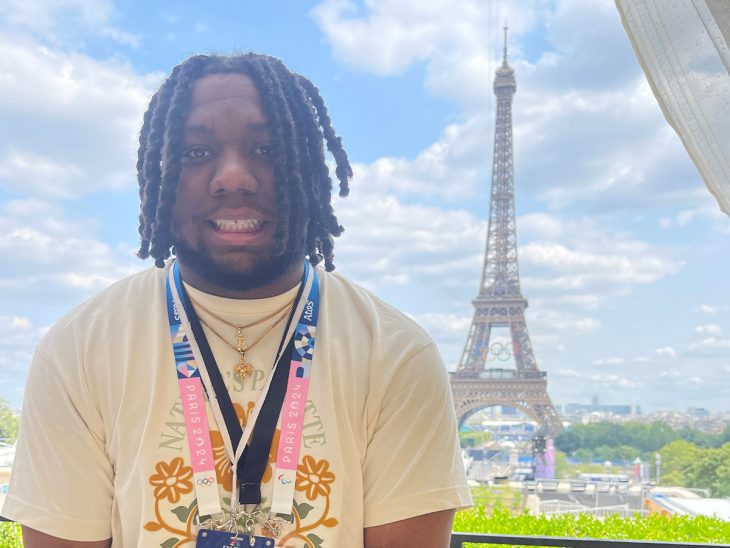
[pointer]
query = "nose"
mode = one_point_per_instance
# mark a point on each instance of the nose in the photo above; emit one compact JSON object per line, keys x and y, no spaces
{"x":233,"y":174}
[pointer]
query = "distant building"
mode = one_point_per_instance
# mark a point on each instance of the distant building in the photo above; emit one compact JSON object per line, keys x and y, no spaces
{"x":579,"y":409}
{"x":699,"y":412}
{"x":713,"y":423}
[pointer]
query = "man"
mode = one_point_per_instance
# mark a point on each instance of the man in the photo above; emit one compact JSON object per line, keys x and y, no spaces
{"x":354,"y":440}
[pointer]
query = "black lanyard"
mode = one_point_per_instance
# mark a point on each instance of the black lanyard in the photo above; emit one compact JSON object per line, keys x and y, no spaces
{"x":255,"y":457}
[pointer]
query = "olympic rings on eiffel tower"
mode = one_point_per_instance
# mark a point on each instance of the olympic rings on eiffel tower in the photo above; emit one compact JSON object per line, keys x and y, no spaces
{"x":498,"y":351}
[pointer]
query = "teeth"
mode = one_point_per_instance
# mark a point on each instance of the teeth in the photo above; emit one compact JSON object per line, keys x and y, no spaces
{"x":237,"y":225}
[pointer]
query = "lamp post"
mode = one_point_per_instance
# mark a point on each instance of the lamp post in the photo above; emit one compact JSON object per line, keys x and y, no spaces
{"x":658,"y":461}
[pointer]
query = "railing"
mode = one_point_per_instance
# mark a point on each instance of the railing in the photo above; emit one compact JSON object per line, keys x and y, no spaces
{"x":622,"y":510}
{"x":458,"y":540}
{"x":504,"y":373}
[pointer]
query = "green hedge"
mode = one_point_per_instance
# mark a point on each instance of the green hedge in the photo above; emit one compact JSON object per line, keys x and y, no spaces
{"x":10,"y":535}
{"x":477,"y":520}
{"x":653,"y":527}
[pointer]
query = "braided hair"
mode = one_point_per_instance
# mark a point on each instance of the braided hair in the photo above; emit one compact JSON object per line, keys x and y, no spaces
{"x":300,"y":126}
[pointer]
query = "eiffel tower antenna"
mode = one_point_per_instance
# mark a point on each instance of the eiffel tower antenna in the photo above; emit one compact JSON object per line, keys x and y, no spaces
{"x":477,"y":383}
{"x":504,"y":55}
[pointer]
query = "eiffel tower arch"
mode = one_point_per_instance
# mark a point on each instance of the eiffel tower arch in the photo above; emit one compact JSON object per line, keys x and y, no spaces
{"x":500,"y":303}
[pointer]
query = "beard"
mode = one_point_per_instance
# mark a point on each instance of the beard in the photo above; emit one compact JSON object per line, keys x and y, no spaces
{"x":263,"y":273}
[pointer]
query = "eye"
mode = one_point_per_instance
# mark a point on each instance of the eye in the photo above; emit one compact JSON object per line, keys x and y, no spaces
{"x":264,"y":149}
{"x":196,"y":153}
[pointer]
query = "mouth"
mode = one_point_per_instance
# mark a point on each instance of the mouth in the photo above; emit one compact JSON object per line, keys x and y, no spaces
{"x":238,"y":230}
{"x":237,"y":226}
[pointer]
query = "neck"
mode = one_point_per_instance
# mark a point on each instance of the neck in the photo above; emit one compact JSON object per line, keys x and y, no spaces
{"x":281,"y":284}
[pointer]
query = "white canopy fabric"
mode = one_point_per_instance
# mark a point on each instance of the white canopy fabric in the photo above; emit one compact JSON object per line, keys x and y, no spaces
{"x":682,"y":46}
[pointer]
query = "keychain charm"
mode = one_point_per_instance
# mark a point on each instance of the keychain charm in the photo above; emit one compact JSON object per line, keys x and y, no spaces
{"x":208,"y":538}
{"x":273,"y":524}
{"x":249,"y":519}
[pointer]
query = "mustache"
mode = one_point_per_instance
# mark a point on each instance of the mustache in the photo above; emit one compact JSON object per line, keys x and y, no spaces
{"x":237,"y":208}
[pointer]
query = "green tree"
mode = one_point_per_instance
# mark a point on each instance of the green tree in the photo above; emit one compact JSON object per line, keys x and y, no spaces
{"x":9,"y":422}
{"x":658,"y":435}
{"x":699,"y":438}
{"x":645,"y":438}
{"x":567,"y":441}
{"x":723,"y":438}
{"x":711,"y":469}
{"x":677,"y":457}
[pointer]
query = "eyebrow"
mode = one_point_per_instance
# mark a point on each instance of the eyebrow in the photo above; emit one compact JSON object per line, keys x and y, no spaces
{"x":200,"y":129}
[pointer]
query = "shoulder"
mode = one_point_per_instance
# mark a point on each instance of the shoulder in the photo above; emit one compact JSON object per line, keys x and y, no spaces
{"x":133,"y":294}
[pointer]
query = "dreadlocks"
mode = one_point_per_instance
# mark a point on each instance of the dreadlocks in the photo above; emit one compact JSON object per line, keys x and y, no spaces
{"x":300,"y":125}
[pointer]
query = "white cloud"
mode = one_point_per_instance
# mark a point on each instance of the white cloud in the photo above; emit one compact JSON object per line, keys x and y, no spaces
{"x":456,"y":325}
{"x":579,"y":269}
{"x":49,"y":21}
{"x":710,"y":344}
{"x":17,"y":329}
{"x":90,"y":112}
{"x":449,"y":169}
{"x":680,"y":220}
{"x":589,"y":252}
{"x":416,"y":242}
{"x":46,"y":253}
{"x":589,"y":302}
{"x":665,"y":352}
{"x":550,"y":320}
{"x":15,"y":322}
{"x":613,"y":360}
{"x":709,"y":329}
{"x":708,"y":212}
{"x":607,"y":380}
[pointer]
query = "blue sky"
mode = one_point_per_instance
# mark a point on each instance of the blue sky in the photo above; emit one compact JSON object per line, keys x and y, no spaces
{"x":623,"y":253}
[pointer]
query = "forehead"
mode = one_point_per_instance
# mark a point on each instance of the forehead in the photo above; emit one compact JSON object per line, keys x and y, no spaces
{"x":225,"y":88}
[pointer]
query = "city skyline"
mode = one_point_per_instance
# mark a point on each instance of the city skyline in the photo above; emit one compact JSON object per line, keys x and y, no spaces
{"x":623,"y":252}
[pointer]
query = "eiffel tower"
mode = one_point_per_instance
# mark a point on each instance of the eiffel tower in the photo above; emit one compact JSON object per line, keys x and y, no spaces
{"x":500,"y":302}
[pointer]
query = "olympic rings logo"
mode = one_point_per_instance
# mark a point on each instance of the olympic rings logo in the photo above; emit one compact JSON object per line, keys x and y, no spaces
{"x":206,"y":481}
{"x":498,"y":351}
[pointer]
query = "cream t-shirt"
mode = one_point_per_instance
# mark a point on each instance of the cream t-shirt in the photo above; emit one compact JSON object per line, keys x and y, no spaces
{"x":102,"y":451}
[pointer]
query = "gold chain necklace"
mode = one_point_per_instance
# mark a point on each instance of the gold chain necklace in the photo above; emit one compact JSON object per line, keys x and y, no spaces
{"x":243,"y":367}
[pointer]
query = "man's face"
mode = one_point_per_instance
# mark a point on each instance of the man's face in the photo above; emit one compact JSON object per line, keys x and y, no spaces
{"x":224,"y":217}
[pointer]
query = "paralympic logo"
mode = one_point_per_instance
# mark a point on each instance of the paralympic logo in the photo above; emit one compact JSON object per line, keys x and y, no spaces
{"x":206,"y":481}
{"x":284,"y":479}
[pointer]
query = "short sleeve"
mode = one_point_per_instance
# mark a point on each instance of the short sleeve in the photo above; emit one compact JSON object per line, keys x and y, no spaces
{"x":413,"y":463}
{"x":62,"y":481}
